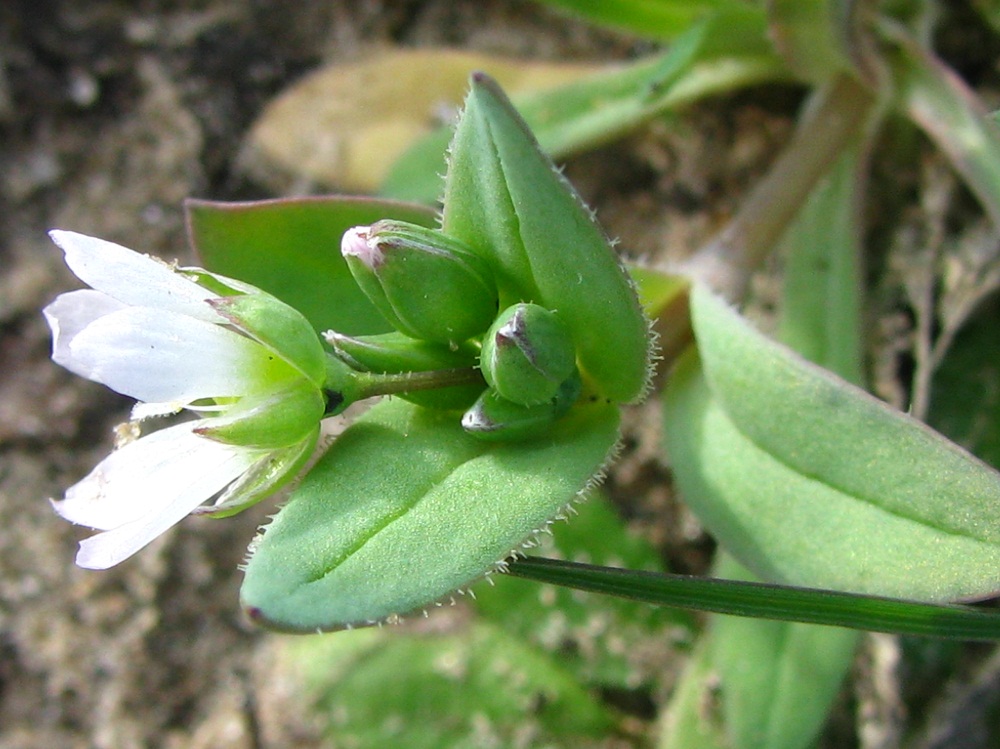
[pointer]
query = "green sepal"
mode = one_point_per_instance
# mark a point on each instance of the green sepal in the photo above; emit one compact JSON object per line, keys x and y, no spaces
{"x":527,"y":354}
{"x":504,"y":199}
{"x":271,"y":420}
{"x":264,"y":479}
{"x":395,"y":353}
{"x":427,"y":285}
{"x":496,"y":419}
{"x":279,"y":328}
{"x":406,"y":508}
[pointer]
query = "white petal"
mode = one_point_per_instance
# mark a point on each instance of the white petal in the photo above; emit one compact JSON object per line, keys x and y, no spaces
{"x":132,"y":278}
{"x":164,"y":357}
{"x":147,"y":486}
{"x":70,"y":313}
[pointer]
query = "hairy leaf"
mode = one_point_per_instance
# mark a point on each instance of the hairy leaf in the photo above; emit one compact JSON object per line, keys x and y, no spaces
{"x":809,"y":480}
{"x":406,"y":508}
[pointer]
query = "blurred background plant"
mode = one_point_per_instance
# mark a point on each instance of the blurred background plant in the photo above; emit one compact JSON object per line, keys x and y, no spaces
{"x":864,"y":235}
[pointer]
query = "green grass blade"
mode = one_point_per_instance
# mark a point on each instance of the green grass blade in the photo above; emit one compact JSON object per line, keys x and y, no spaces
{"x":655,"y":19}
{"x":786,"y":603}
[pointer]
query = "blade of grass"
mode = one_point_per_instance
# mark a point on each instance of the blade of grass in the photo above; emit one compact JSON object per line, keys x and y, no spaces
{"x":661,"y":19}
{"x":786,"y":603}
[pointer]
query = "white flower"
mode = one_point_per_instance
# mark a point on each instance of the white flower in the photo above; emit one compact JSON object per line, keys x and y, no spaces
{"x":183,"y":339}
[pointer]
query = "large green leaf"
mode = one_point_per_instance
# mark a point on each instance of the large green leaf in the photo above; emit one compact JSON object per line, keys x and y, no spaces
{"x":291,"y":248}
{"x":406,"y":508}
{"x":809,"y":480}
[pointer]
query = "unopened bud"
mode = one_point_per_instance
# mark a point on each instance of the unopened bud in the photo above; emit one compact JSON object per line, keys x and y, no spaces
{"x":396,"y":352}
{"x":426,"y":284}
{"x":527,"y":354}
{"x":496,"y":419}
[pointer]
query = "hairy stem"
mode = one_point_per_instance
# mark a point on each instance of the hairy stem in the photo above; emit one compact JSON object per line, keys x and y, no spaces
{"x":407,"y":382}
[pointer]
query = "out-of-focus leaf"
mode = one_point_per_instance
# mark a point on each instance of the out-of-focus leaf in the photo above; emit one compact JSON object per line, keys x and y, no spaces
{"x":722,"y":55}
{"x":693,"y":718}
{"x":406,"y":507}
{"x":951,"y":114}
{"x":478,"y":686}
{"x":291,"y":248}
{"x":343,"y":126}
{"x":776,"y":680}
{"x":822,"y":301}
{"x":656,"y":19}
{"x":809,"y":480}
{"x":812,"y":35}
{"x":773,"y":682}
{"x":757,"y":683}
{"x":604,"y":641}
{"x":966,"y":387}
{"x":989,"y":10}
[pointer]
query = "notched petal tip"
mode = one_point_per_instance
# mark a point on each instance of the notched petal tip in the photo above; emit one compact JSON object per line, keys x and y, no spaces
{"x":91,"y":559}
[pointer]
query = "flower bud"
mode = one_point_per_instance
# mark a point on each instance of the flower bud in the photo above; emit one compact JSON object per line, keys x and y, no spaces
{"x":426,"y":284}
{"x":527,"y":354}
{"x":496,"y":419}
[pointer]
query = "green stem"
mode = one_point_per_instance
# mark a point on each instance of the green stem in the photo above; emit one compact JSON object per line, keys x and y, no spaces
{"x":836,"y":115}
{"x":371,"y":384}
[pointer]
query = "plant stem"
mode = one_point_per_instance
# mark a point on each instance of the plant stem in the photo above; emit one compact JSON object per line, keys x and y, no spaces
{"x":372,"y":384}
{"x":835,"y":115}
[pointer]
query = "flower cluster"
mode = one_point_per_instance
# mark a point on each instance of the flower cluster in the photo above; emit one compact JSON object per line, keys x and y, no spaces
{"x":431,"y":287}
